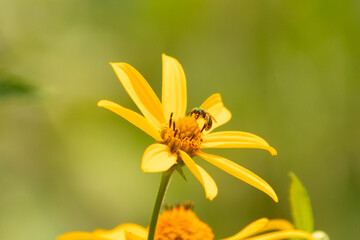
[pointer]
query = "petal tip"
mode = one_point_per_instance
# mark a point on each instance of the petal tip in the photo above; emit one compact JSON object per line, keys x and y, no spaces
{"x":148,"y":169}
{"x":118,"y":64}
{"x":101,"y":103}
{"x":274,"y":197}
{"x":144,"y":169}
{"x":273,"y":151}
{"x":271,"y":193}
{"x":211,"y":197}
{"x":114,"y":64}
{"x":164,"y":56}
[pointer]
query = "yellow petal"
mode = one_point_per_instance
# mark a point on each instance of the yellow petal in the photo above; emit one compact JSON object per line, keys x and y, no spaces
{"x":239,"y":172}
{"x":234,"y":136}
{"x":250,"y":229}
{"x":136,"y":233}
{"x":132,"y":236}
{"x":140,"y":92}
{"x":283,"y":235}
{"x":204,"y":178}
{"x":132,"y":117}
{"x":278,"y":224}
{"x":215,"y":107}
{"x":157,"y":158}
{"x":119,"y":232}
{"x":80,"y":236}
{"x":235,"y":139}
{"x":174,"y":96}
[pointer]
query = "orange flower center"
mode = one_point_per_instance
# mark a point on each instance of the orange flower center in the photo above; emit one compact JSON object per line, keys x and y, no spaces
{"x":183,"y":134}
{"x":181,"y":223}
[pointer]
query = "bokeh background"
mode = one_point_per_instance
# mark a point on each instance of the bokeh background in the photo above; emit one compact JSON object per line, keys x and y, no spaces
{"x":288,"y":70}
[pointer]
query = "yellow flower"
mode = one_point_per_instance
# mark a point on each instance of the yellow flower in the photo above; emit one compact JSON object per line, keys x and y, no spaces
{"x":181,"y":223}
{"x":180,"y":136}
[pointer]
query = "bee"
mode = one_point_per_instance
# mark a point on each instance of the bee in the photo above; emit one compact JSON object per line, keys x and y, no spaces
{"x":202,"y":113}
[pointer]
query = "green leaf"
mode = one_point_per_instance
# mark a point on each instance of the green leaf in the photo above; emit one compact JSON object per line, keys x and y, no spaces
{"x":11,"y":85}
{"x":300,"y":205}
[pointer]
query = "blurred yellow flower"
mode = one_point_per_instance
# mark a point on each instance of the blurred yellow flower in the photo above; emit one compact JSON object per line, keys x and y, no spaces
{"x":182,"y":223}
{"x":180,"y":136}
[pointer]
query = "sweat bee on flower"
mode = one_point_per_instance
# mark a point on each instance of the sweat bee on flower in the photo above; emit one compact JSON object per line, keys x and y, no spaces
{"x":202,"y":113}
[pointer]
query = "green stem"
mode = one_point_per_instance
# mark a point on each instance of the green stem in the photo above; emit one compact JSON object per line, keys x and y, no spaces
{"x":165,"y":180}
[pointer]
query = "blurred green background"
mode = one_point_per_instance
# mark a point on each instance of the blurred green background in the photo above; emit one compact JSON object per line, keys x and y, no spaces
{"x":289,"y":71}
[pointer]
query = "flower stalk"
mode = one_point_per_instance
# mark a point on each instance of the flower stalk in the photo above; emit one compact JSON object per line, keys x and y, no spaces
{"x":164,"y":184}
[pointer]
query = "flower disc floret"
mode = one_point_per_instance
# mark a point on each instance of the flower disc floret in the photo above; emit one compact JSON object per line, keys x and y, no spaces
{"x":183,"y":134}
{"x":181,"y":223}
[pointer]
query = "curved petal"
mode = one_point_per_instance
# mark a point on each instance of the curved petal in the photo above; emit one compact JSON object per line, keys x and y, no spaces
{"x":204,"y":178}
{"x":234,"y":136}
{"x":157,"y":158}
{"x":136,"y":233}
{"x":140,"y":92}
{"x":278,"y":224}
{"x":250,"y":229}
{"x":215,"y":107}
{"x":134,"y":236}
{"x":133,"y":117}
{"x":239,"y":172}
{"x":174,"y":98}
{"x":80,"y":236}
{"x":119,"y":232}
{"x":283,"y":235}
{"x":235,"y":139}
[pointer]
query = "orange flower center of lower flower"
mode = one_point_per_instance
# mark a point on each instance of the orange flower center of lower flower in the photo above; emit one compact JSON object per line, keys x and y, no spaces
{"x":183,"y":134}
{"x":180,"y":223}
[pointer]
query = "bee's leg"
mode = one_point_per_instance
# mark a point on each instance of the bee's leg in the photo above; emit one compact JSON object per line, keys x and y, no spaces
{"x":205,"y":126}
{"x":209,"y":123}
